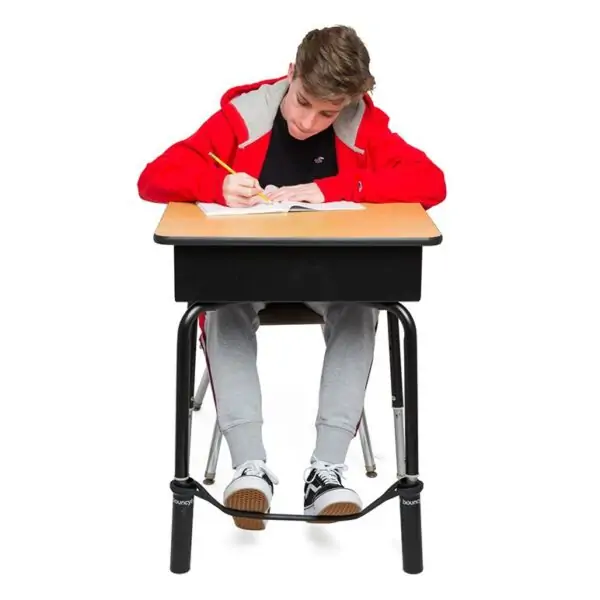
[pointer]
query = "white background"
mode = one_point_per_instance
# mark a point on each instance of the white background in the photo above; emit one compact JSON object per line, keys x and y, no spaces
{"x":504,"y":97}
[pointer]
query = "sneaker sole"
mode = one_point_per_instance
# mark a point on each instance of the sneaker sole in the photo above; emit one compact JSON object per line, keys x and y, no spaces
{"x":249,"y":500}
{"x":338,"y":509}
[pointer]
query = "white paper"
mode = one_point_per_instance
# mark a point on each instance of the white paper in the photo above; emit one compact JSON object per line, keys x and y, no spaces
{"x":217,"y":210}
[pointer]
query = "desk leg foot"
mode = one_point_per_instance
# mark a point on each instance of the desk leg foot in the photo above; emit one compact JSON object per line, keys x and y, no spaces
{"x":181,"y":532}
{"x":412,"y":543}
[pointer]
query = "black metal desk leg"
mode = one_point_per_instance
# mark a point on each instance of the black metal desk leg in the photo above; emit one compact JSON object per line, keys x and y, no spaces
{"x":183,"y":490}
{"x":407,"y":442}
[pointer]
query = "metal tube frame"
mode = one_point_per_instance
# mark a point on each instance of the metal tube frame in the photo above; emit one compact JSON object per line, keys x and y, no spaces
{"x":405,"y":408}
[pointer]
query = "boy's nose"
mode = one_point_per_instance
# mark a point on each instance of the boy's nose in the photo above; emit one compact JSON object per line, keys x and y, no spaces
{"x":307,"y":124}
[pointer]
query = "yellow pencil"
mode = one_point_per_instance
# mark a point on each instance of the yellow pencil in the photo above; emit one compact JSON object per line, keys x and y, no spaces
{"x":228,"y":168}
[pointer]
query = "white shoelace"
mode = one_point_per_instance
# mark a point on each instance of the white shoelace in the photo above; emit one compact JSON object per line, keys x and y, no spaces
{"x":326,"y":471}
{"x":255,"y":467}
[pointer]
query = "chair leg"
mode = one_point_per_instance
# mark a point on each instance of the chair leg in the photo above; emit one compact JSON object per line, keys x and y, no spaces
{"x":213,"y":455}
{"x":365,"y":442}
{"x":215,"y":444}
{"x":201,"y":391}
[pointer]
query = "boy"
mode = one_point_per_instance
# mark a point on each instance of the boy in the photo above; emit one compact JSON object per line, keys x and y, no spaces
{"x":312,"y":136}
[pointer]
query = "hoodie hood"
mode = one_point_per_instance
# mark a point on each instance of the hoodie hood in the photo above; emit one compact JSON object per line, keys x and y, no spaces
{"x":251,"y":109}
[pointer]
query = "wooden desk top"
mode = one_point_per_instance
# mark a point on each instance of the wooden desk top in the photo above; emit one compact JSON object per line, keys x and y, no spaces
{"x":184,"y":224}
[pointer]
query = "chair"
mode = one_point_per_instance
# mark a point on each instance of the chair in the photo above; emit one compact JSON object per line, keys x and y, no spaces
{"x":276,"y":314}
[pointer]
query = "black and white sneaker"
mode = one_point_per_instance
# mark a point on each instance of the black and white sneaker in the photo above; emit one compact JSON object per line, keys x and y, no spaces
{"x":324,"y":494}
{"x":252,"y":490}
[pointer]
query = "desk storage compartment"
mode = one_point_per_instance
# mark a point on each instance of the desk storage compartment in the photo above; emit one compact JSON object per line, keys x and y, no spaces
{"x":298,"y":273}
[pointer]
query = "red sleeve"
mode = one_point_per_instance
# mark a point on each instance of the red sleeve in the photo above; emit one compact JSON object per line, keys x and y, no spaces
{"x":185,"y":173}
{"x":397,"y":172}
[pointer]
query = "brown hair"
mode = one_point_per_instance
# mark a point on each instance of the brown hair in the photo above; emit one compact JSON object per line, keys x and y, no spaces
{"x":333,"y":62}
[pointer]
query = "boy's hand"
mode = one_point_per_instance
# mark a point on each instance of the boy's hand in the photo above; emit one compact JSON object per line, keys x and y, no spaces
{"x":306,"y":192}
{"x":240,"y":189}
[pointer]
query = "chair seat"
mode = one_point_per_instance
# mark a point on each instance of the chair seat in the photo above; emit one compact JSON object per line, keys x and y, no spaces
{"x":288,"y":313}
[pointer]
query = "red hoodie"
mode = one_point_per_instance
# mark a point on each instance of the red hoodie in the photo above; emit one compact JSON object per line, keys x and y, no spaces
{"x":374,"y":164}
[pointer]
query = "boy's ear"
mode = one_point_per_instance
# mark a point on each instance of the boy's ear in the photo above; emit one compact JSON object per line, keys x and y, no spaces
{"x":291,"y":72}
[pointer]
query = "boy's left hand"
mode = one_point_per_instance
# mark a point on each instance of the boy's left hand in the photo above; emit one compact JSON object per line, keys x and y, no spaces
{"x":306,"y":192}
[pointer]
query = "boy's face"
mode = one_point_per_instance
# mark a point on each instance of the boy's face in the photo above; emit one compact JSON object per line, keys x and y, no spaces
{"x":305,"y":115}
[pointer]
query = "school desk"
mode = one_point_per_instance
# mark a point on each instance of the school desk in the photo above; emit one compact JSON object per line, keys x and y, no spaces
{"x":372,"y":256}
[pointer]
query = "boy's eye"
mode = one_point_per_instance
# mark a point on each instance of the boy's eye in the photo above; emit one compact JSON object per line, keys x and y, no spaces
{"x":327,"y":115}
{"x":302,"y":102}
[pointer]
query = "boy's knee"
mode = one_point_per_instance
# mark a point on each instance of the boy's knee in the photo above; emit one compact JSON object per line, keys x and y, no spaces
{"x":232,"y":317}
{"x":355,"y":316}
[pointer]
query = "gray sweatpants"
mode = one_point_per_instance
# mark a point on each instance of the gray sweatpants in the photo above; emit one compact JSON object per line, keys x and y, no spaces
{"x":231,"y":349}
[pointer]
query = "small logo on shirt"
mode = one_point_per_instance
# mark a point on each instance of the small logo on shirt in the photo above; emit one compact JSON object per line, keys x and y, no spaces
{"x":319,"y":160}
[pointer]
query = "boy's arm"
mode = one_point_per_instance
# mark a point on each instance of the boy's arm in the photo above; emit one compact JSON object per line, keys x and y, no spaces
{"x":185,"y":172}
{"x":398,"y":172}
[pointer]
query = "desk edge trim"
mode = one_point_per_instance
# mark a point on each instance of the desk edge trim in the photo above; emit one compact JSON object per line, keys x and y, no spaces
{"x":166,"y":240}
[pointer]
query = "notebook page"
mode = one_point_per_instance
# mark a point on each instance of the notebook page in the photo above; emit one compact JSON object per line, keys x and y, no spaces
{"x":217,"y":210}
{"x":326,"y":206}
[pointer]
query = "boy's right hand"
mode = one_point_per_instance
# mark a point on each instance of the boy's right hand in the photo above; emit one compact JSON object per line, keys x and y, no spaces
{"x":240,"y":189}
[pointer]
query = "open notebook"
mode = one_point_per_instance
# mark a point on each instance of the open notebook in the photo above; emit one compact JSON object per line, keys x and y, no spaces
{"x":217,"y":210}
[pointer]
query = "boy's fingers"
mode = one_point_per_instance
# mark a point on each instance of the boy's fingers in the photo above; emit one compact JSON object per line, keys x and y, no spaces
{"x":247,"y":192}
{"x":246,"y":180}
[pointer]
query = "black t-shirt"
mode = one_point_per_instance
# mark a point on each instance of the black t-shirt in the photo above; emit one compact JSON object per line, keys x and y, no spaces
{"x":291,"y":162}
